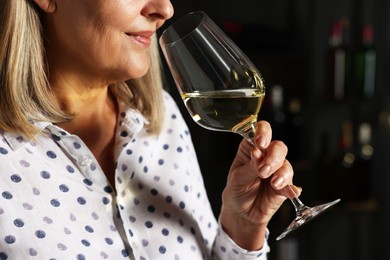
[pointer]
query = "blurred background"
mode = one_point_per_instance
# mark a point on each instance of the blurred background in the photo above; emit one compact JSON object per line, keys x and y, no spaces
{"x":325,"y":65}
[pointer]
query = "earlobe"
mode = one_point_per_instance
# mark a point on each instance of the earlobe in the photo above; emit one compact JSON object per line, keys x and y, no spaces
{"x":48,"y":6}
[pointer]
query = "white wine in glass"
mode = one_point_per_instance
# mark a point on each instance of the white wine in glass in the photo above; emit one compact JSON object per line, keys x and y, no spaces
{"x":225,"y":110}
{"x":221,"y":88}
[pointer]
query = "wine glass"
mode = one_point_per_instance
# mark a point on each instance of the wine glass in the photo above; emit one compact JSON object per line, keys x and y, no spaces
{"x":221,"y":88}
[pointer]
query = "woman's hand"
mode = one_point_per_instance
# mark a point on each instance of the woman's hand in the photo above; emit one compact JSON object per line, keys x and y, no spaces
{"x":255,"y":188}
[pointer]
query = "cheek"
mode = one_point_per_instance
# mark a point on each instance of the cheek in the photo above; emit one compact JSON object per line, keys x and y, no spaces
{"x":113,"y":56}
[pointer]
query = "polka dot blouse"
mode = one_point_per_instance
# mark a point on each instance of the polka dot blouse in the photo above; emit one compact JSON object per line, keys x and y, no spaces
{"x":56,"y":203}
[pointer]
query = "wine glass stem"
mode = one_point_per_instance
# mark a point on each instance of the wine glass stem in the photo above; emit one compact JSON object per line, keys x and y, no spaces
{"x":298,"y":205}
{"x":249,"y":134}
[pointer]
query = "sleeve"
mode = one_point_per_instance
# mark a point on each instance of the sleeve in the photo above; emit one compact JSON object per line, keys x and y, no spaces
{"x":225,"y":248}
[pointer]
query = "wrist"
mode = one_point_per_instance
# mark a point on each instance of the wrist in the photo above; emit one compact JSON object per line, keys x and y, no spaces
{"x":245,"y":233}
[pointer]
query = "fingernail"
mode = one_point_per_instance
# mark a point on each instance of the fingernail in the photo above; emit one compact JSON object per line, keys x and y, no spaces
{"x":264,"y":171}
{"x":262,"y":142}
{"x":278,"y":182}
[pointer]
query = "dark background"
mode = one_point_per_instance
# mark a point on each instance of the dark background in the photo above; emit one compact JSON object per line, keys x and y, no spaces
{"x":287,"y":40}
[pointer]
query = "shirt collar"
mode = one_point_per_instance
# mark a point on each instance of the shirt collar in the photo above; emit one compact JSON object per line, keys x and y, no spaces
{"x":17,"y":140}
{"x":132,"y":119}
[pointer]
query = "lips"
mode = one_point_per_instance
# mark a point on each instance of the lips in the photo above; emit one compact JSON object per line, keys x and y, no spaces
{"x":144,"y":38}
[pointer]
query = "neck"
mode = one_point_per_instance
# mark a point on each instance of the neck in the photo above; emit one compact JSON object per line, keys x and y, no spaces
{"x":90,"y":110}
{"x":94,"y":121}
{"x":94,"y":112}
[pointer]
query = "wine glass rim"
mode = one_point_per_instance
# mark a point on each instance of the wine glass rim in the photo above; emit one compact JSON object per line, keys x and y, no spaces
{"x":203,"y":16}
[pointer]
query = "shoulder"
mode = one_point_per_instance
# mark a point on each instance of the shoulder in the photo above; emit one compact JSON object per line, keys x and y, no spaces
{"x":172,"y":110}
{"x":174,"y":122}
{"x":169,"y":102}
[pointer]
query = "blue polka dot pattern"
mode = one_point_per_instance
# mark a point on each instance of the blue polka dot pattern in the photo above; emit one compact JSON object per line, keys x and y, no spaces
{"x":16,"y":178}
{"x":56,"y":203}
{"x":3,"y":150}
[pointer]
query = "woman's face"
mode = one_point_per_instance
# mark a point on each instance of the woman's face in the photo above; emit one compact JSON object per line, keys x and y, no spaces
{"x":106,"y":40}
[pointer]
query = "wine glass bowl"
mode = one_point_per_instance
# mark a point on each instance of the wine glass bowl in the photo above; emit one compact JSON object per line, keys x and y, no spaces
{"x":220,"y":87}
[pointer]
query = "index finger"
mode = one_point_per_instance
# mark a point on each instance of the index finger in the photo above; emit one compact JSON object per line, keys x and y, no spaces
{"x":263,"y":134}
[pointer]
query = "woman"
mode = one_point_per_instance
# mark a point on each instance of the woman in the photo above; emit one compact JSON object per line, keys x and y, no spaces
{"x":92,"y":167}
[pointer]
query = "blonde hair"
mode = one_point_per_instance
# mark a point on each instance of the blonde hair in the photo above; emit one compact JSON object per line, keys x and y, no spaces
{"x":25,"y":94}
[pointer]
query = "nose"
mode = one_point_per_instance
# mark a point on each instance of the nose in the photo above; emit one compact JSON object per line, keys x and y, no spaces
{"x":159,"y":10}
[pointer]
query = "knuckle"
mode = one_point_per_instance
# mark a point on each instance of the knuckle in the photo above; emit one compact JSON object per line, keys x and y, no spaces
{"x":265,"y":124}
{"x":280,"y":145}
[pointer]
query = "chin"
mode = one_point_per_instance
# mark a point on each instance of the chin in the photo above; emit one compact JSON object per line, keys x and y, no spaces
{"x":139,"y":74}
{"x":139,"y":70}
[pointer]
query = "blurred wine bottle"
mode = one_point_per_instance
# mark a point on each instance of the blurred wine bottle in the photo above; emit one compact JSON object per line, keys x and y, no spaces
{"x":278,"y":119}
{"x":326,"y":176}
{"x":362,"y":169}
{"x":294,"y":135}
{"x":338,"y":61}
{"x":336,"y":166}
{"x":345,"y":163}
{"x":365,"y":64}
